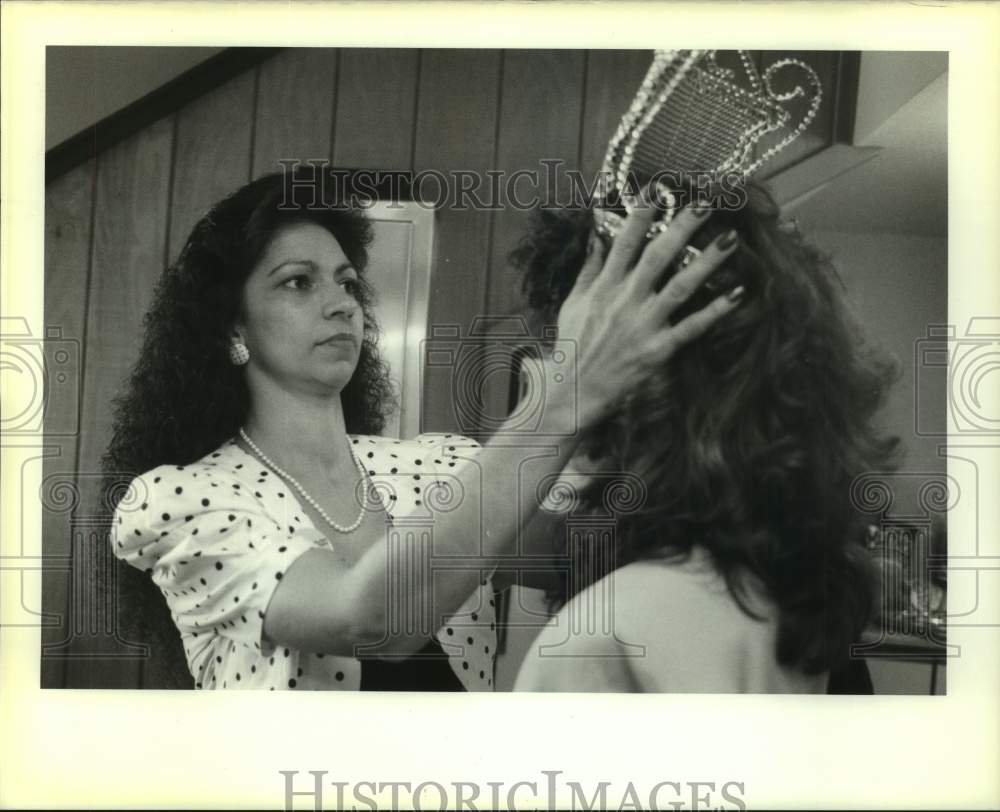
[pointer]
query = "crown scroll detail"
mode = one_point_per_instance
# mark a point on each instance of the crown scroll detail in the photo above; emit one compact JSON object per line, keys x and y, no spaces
{"x":692,"y":117}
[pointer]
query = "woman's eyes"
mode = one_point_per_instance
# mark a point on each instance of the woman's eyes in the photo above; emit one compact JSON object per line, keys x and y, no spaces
{"x":306,"y":282}
{"x":298,"y":282}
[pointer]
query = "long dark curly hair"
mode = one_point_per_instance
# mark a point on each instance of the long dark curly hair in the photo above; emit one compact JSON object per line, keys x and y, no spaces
{"x":748,"y":440}
{"x":184,"y":397}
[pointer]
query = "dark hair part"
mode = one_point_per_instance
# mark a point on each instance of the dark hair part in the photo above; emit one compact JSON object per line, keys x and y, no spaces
{"x":184,"y":397}
{"x":748,"y":440}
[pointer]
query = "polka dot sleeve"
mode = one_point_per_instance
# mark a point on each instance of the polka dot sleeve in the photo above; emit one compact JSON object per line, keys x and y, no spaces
{"x":451,"y":445}
{"x":210,"y":548}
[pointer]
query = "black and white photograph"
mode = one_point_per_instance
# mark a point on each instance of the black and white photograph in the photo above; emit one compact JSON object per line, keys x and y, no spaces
{"x":562,"y":373}
{"x":706,"y":509}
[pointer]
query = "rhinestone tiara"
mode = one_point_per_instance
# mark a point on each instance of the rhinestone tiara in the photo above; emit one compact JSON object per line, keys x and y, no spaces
{"x":691,"y":118}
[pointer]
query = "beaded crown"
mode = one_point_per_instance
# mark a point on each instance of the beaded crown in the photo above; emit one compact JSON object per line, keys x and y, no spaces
{"x":691,"y":118}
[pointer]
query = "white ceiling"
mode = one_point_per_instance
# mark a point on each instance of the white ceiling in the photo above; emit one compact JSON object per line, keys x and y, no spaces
{"x":86,"y":83}
{"x":903,"y":113}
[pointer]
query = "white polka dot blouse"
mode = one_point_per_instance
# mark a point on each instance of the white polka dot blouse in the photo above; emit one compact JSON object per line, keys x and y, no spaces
{"x":217,"y":535}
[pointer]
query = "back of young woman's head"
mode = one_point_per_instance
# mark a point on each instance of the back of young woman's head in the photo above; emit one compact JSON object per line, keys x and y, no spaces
{"x":748,"y":439}
{"x":184,"y":396}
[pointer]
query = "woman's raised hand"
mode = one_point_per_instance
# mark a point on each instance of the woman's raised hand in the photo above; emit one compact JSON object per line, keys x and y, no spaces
{"x":617,"y":320}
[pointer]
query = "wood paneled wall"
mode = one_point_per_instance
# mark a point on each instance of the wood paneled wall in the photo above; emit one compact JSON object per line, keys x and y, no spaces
{"x":113,"y":224}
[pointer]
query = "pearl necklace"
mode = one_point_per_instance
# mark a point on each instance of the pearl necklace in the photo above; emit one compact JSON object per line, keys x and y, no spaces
{"x":304,"y":493}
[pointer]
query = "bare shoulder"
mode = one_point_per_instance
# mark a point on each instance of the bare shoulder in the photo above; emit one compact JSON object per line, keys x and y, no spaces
{"x":570,"y":656}
{"x":597,"y":640}
{"x":662,"y":625}
{"x":661,"y":587}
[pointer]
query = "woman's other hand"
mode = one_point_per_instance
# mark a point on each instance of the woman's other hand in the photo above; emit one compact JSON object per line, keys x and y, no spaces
{"x":616,"y":320}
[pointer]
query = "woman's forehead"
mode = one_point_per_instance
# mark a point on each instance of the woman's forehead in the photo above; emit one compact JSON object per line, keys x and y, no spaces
{"x":302,"y":235}
{"x":301,"y":240}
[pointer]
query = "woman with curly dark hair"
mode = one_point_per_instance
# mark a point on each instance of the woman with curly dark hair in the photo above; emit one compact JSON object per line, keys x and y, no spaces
{"x":261,"y":502}
{"x":738,"y":562}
